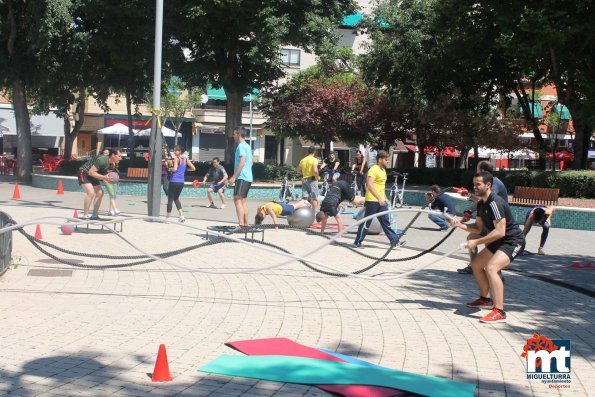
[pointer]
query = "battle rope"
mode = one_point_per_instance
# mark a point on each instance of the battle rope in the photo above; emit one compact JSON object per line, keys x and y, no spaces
{"x":276,"y":250}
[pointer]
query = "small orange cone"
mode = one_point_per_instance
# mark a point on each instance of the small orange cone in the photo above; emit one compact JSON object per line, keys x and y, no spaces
{"x":161,"y":371}
{"x":16,"y":195}
{"x":76,"y":214}
{"x":60,"y":187}
{"x":38,"y":233}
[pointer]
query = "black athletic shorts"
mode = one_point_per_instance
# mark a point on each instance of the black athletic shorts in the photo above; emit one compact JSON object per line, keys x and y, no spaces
{"x":511,"y":247}
{"x":241,"y":188}
{"x":330,"y":207}
{"x":85,"y":178}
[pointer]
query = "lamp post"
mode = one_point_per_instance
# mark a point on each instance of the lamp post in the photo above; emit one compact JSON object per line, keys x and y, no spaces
{"x":155,"y":141}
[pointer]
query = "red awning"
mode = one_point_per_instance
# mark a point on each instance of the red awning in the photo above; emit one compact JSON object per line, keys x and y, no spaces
{"x":411,"y":148}
{"x":448,"y":151}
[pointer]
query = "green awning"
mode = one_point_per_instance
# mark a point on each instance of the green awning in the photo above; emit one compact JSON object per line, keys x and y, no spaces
{"x":537,"y":110}
{"x":351,"y":21}
{"x":563,"y":112}
{"x":219,"y":94}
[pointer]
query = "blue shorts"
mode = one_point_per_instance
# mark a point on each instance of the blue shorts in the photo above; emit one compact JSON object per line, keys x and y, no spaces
{"x":287,"y":209}
{"x":215,"y":187}
{"x":336,"y":175}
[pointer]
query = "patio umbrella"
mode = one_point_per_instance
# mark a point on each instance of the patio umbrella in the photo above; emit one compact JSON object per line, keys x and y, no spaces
{"x":166,"y":132}
{"x":116,"y":129}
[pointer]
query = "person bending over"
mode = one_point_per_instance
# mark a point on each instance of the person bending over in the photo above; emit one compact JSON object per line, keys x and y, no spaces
{"x":219,"y":177}
{"x":542,"y":216}
{"x":89,"y":177}
{"x":337,"y":193}
{"x":503,"y":242}
{"x":276,"y":209}
{"x":440,"y":203}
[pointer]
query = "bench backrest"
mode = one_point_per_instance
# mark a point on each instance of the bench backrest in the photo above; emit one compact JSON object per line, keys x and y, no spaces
{"x":525,"y":195}
{"x":137,"y":173}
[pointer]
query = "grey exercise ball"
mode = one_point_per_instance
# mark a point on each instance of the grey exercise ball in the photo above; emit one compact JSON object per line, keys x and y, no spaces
{"x":302,"y":217}
{"x":375,"y":227}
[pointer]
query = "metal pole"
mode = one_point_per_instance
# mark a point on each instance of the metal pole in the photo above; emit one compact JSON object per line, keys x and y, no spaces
{"x":251,"y":142}
{"x":155,"y":141}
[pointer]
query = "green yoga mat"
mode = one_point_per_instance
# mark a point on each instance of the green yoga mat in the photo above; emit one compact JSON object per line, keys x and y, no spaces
{"x":323,"y":372}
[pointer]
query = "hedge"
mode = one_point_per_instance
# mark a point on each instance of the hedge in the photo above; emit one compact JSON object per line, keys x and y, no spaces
{"x":580,"y":184}
{"x":571,"y":183}
{"x":261,"y":171}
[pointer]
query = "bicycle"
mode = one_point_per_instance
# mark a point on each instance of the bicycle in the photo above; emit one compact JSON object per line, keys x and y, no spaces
{"x":325,"y":185}
{"x":396,"y":196}
{"x":354,"y":186}
{"x":287,"y":192}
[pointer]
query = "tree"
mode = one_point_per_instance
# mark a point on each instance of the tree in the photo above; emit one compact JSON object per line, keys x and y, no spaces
{"x":236,"y":45}
{"x":26,"y":29}
{"x":324,"y":106}
{"x":122,"y":45}
{"x":524,"y":44}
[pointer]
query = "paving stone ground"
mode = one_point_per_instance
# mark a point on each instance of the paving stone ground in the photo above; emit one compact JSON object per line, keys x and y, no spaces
{"x":97,"y":332}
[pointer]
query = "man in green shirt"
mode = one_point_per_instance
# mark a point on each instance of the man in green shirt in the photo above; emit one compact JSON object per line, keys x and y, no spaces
{"x":90,"y":175}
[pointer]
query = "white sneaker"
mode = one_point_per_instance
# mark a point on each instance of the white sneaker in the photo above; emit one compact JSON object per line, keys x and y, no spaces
{"x":116,"y":212}
{"x":182,"y":219}
{"x":212,"y":205}
{"x":111,"y":213}
{"x":85,"y":217}
{"x":222,"y":206}
{"x":540,"y":251}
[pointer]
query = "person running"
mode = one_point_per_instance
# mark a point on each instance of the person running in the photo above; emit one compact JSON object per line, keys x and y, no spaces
{"x":89,"y":177}
{"x":111,"y":188}
{"x":219,"y":177}
{"x":340,"y":191}
{"x":308,"y":167}
{"x":276,"y":209}
{"x":503,"y":242}
{"x":499,"y":189}
{"x":441,"y":203}
{"x":331,"y":164}
{"x":542,"y":216}
{"x":176,"y":181}
{"x":243,"y":173}
{"x":375,"y":201}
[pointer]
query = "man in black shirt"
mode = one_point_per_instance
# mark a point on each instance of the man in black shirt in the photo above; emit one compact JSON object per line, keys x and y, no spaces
{"x":503,"y":241}
{"x":441,"y":202}
{"x":337,"y":193}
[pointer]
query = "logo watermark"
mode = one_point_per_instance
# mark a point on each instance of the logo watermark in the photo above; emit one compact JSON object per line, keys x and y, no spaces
{"x":548,"y":360}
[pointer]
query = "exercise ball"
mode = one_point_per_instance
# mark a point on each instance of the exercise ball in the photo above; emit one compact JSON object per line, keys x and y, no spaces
{"x":375,"y":227}
{"x":67,"y":230}
{"x":302,"y":217}
{"x":115,"y":177}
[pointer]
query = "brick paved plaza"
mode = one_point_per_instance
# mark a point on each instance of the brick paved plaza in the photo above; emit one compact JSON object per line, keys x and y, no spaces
{"x":87,"y":332}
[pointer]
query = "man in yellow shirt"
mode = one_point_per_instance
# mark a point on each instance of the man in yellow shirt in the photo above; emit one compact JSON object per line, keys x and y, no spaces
{"x":308,"y":167}
{"x":275,"y":209}
{"x":376,"y":201}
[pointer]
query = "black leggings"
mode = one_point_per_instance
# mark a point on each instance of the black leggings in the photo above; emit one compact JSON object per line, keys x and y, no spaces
{"x":173,"y":195}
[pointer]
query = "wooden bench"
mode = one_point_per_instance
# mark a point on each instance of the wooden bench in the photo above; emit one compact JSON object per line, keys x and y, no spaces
{"x":141,"y":173}
{"x":530,"y":196}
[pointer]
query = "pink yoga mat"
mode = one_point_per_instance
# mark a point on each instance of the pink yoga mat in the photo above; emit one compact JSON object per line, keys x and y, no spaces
{"x":287,"y":347}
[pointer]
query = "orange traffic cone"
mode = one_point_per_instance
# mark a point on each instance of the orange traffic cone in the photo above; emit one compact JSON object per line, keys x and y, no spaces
{"x":60,"y":187}
{"x":38,"y":233}
{"x":161,"y":371}
{"x":16,"y":195}
{"x":76,"y":214}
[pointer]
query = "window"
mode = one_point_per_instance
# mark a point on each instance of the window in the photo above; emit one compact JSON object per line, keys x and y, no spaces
{"x":290,"y":57}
